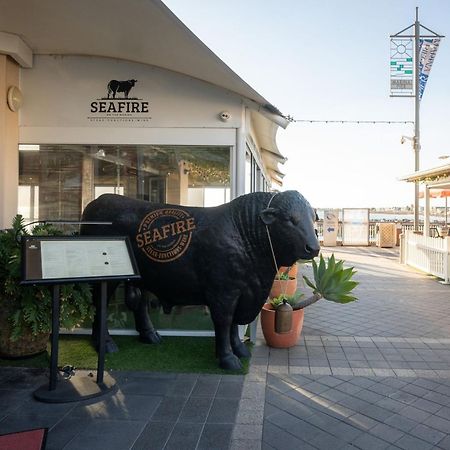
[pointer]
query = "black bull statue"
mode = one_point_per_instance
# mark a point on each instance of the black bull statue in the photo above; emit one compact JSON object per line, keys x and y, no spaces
{"x":220,"y":257}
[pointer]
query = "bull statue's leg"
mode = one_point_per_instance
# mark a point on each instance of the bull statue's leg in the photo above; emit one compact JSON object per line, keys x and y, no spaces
{"x":239,"y":348}
{"x":137,"y":303}
{"x":222,"y":320}
{"x":110,"y":345}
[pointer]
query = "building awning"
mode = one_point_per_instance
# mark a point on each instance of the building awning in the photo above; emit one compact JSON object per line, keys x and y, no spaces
{"x":437,"y":177}
{"x":142,"y":31}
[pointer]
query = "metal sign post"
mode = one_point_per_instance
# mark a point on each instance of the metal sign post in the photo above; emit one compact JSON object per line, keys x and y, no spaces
{"x":55,"y":260}
{"x":401,"y":83}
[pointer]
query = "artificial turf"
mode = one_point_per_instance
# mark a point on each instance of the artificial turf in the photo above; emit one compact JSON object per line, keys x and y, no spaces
{"x":174,"y":354}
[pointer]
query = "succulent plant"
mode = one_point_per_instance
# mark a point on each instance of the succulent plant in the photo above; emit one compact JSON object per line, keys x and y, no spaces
{"x":293,"y":300}
{"x":332,"y":281}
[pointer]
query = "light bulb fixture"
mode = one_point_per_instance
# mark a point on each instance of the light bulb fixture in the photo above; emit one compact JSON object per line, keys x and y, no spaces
{"x":14,"y":98}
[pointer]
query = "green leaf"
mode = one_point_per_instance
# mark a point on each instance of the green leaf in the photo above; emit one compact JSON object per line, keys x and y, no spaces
{"x":309,"y":283}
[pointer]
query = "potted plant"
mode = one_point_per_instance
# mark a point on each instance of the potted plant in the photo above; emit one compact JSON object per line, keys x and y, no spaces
{"x":292,"y":271}
{"x":268,"y":315}
{"x":284,"y":283}
{"x":331,"y":281}
{"x":25,"y":311}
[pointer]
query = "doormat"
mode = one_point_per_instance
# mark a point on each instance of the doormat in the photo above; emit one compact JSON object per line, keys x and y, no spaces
{"x":24,"y":440}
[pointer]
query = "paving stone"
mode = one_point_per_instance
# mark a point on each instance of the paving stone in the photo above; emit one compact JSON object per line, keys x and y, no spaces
{"x":438,"y":423}
{"x":279,"y":440}
{"x":369,"y":441}
{"x":345,"y":431}
{"x":386,"y":432}
{"x":195,"y":410}
{"x":154,"y":436}
{"x":223,"y":411}
{"x":115,"y":435}
{"x":400,"y":422}
{"x":427,"y":434}
{"x":413,"y":443}
{"x":289,"y":424}
{"x":185,"y":436}
{"x":215,"y":436}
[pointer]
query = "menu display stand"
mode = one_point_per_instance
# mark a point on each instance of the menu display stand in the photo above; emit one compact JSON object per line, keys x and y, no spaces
{"x":56,"y":260}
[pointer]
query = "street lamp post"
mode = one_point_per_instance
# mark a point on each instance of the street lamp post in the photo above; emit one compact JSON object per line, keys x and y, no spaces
{"x":403,"y":87}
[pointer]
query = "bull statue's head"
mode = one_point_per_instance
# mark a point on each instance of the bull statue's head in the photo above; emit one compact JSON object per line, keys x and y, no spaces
{"x":290,"y":221}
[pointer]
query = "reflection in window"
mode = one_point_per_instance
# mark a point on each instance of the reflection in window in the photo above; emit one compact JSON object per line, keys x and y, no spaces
{"x":58,"y":181}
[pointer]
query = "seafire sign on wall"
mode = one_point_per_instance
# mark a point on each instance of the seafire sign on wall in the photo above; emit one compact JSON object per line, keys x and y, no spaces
{"x":165,"y":234}
{"x":118,"y":105}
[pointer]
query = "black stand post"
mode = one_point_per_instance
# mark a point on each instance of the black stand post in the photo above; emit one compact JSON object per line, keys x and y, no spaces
{"x":102,"y":337}
{"x":55,"y":337}
{"x":76,"y":387}
{"x":112,"y":260}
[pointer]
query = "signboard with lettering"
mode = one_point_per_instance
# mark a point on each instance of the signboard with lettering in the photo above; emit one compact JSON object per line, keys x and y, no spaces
{"x":65,"y":259}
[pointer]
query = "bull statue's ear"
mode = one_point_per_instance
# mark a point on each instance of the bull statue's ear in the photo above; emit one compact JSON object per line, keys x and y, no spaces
{"x":268,"y":215}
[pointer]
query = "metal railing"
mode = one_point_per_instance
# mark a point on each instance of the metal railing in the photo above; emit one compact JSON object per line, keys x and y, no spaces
{"x":373,"y":232}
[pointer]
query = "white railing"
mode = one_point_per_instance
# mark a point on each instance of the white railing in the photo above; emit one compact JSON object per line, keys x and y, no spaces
{"x":429,"y":254}
{"x":373,"y":232}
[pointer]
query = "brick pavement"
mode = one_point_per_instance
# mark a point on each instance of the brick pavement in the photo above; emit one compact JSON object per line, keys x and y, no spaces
{"x":368,"y":375}
{"x":373,"y":374}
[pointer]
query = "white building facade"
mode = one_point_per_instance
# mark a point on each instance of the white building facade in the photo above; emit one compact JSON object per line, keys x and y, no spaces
{"x":127,"y":100}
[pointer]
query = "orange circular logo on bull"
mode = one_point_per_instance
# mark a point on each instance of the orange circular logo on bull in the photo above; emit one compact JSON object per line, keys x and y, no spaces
{"x":164,"y":234}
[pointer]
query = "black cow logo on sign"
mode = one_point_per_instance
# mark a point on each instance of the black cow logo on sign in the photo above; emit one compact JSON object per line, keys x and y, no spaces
{"x":115,"y":86}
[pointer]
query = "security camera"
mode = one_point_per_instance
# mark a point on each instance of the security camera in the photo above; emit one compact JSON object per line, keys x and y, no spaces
{"x":402,"y":140}
{"x":224,"y":116}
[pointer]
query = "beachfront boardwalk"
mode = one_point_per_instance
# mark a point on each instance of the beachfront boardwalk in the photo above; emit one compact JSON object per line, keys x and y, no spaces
{"x":372,"y":374}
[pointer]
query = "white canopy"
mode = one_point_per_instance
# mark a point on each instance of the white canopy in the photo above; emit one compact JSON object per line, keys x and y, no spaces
{"x":143,"y":31}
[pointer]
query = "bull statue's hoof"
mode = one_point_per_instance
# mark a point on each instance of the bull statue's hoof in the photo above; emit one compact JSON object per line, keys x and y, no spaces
{"x":230,"y":362}
{"x":111,"y":347}
{"x":150,"y":337}
{"x":241,"y":351}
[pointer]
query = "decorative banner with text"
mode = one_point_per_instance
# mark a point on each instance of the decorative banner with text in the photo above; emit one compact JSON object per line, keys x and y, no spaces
{"x":428,"y":51}
{"x":401,"y":66}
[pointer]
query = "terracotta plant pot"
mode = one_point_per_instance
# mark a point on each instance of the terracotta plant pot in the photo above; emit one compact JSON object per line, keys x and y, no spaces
{"x":288,"y":287}
{"x":293,"y":271}
{"x":280,"y":340}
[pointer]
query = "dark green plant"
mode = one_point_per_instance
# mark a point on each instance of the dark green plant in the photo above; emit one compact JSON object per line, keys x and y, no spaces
{"x":331,"y":281}
{"x":29,"y":307}
{"x":293,"y":300}
{"x":284,"y":276}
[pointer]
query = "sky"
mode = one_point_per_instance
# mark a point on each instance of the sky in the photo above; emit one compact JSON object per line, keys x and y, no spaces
{"x":329,"y":60}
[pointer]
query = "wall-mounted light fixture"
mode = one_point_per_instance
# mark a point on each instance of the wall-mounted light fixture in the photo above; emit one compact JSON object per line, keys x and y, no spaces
{"x":14,"y":98}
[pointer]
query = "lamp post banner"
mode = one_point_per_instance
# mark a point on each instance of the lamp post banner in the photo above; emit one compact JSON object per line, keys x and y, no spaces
{"x":428,"y":51}
{"x":402,"y":66}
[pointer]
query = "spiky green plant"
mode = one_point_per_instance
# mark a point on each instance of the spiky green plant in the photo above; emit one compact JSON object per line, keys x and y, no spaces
{"x":331,"y":281}
{"x":293,"y":300}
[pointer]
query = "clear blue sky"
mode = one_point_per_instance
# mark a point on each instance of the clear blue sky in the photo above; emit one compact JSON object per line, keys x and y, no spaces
{"x":329,"y":59}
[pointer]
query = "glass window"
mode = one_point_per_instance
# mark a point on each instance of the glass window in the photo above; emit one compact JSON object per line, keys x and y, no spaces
{"x":56,"y":182}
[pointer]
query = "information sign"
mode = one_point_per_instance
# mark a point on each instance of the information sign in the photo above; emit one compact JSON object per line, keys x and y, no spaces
{"x":56,"y":259}
{"x":330,"y":227}
{"x":355,"y":226}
